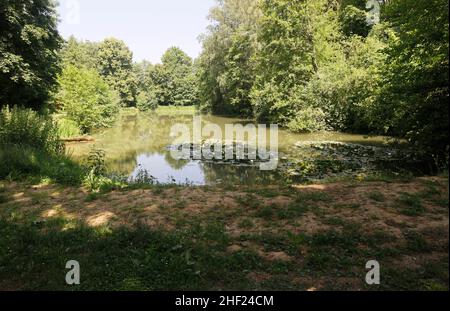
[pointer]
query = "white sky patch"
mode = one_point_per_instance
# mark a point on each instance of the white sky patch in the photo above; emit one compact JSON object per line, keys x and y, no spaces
{"x":149,"y":27}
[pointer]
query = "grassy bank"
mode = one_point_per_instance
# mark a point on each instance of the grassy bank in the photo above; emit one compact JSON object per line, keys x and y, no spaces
{"x":176,"y":110}
{"x":316,"y":237}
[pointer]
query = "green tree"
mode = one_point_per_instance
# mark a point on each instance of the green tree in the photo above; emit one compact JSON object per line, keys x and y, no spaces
{"x":296,"y":39}
{"x":179,"y":82}
{"x":225,"y":67}
{"x":115,"y":64}
{"x":147,"y":97}
{"x":142,"y":73}
{"x":80,"y":53}
{"x":159,"y":85}
{"x":29,"y":41}
{"x":84,"y":97}
{"x":413,"y":102}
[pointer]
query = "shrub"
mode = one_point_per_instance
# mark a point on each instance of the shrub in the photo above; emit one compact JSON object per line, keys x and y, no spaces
{"x":308,"y":120}
{"x":147,"y":101}
{"x":30,"y":146}
{"x":354,"y":21}
{"x":67,"y":128}
{"x":86,"y":98}
{"x":25,"y":127}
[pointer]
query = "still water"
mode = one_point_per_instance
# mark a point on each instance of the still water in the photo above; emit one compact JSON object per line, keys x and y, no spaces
{"x":140,"y":141}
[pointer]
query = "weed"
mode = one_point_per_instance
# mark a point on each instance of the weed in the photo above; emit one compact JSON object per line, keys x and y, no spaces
{"x":411,"y":204}
{"x":376,"y":196}
{"x":266,"y":212}
{"x":347,"y":206}
{"x":313,"y":197}
{"x":246,"y":223}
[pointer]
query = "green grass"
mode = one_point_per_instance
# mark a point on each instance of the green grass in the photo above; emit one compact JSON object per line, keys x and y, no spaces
{"x":193,"y":254}
{"x":376,"y":196}
{"x":411,"y":204}
{"x":246,"y":223}
{"x":180,"y":204}
{"x":38,"y":197}
{"x":22,"y":162}
{"x":249,"y":200}
{"x":433,"y":276}
{"x":312,"y":197}
{"x":347,"y":206}
{"x":293,"y":210}
{"x":176,"y":110}
{"x":3,"y":196}
{"x":93,"y":196}
{"x":122,"y":259}
{"x":266,"y":212}
{"x":266,"y":193}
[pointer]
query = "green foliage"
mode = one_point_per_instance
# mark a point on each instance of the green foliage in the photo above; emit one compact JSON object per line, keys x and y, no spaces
{"x":67,"y":128}
{"x":96,"y":168}
{"x":282,"y":60}
{"x":112,"y":59}
{"x":345,"y":88}
{"x":177,"y":75}
{"x":115,"y":64}
{"x":308,"y":120}
{"x":96,"y":162}
{"x":146,"y":101}
{"x":28,"y":62}
{"x":158,"y":85}
{"x":237,"y":79}
{"x":413,"y":101}
{"x":24,"y":127}
{"x":30,"y":146}
{"x":172,"y":83}
{"x":142,"y":73}
{"x":297,"y":42}
{"x":84,"y":97}
{"x":79,"y":53}
{"x":225,"y":69}
{"x":354,"y":21}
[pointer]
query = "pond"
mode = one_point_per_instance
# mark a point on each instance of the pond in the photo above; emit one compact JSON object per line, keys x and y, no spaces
{"x":140,"y":142}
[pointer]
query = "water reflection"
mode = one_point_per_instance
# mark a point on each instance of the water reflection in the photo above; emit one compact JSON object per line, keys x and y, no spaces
{"x":139,"y":141}
{"x":185,"y":172}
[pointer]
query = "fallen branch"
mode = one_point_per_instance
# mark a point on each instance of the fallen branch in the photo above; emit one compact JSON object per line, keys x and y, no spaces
{"x":78,"y":139}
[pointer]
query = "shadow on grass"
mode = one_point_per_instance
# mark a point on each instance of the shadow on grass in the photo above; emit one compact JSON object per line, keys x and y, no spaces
{"x":34,"y":256}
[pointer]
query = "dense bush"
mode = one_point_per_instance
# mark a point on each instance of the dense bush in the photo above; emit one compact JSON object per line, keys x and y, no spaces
{"x":354,"y":21}
{"x":146,"y":101}
{"x":84,"y":97}
{"x":308,"y":120}
{"x":30,"y":146}
{"x":67,"y":128}
{"x":18,"y":162}
{"x":24,"y":127}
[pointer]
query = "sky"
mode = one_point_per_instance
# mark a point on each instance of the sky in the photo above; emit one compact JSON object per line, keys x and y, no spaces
{"x":148,"y":27}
